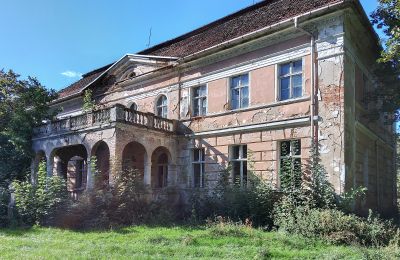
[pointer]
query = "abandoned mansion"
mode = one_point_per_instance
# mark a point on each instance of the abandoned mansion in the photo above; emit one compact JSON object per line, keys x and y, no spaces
{"x":245,"y":93}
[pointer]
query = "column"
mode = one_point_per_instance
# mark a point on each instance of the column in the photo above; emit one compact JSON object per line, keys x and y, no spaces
{"x":89,"y":175}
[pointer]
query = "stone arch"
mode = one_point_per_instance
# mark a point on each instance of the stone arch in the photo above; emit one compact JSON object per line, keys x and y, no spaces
{"x":70,"y":162}
{"x":134,"y":156}
{"x":101,"y":153}
{"x":160,"y":167}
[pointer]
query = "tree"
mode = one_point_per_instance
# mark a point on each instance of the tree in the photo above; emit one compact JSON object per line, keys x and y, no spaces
{"x":387,"y":17}
{"x":23,"y":105}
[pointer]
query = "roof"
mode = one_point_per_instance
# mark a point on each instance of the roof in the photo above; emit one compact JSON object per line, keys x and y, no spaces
{"x":250,"y":19}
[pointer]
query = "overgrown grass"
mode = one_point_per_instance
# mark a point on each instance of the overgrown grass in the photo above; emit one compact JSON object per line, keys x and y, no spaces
{"x":145,"y":242}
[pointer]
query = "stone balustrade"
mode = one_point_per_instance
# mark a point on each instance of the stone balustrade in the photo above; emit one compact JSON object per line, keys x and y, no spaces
{"x":99,"y":118}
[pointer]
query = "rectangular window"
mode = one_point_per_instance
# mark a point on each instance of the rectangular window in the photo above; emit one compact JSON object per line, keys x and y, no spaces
{"x":291,"y":80}
{"x":290,"y":164}
{"x":199,"y":101}
{"x":238,"y":161}
{"x":198,"y":167}
{"x":239,"y":86}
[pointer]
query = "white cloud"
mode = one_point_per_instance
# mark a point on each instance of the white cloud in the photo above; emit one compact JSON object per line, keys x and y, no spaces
{"x":71,"y":74}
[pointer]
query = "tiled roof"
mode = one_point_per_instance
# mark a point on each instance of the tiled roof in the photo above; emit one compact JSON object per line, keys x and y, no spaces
{"x":250,"y":19}
{"x":82,"y":83}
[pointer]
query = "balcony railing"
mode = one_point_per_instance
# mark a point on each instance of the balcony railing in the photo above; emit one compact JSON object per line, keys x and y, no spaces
{"x":98,"y":118}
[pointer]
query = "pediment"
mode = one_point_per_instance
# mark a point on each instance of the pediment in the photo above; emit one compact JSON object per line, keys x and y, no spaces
{"x":131,"y":66}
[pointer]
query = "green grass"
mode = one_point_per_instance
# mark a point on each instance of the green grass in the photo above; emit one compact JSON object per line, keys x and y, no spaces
{"x":168,"y":243}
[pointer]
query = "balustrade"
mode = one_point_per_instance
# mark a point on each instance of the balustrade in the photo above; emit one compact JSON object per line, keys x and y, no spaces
{"x":101,"y":117}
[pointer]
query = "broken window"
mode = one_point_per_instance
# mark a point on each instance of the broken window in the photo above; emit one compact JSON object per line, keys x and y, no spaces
{"x":199,"y":100}
{"x":162,"y":107}
{"x":291,"y":80}
{"x":239,"y":91}
{"x":198,"y":167}
{"x":290,"y":164}
{"x":238,"y":161}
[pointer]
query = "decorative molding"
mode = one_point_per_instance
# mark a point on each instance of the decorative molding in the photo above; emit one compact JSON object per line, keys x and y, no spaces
{"x":302,"y":121}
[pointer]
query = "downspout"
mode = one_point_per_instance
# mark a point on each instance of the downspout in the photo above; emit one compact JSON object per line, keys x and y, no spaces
{"x":314,"y":143}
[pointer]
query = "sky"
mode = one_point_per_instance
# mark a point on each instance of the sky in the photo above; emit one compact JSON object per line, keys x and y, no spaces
{"x":57,"y":41}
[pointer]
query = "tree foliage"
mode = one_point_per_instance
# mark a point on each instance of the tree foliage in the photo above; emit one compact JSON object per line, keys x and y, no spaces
{"x":23,"y":105}
{"x":387,"y":18}
{"x":37,"y":203}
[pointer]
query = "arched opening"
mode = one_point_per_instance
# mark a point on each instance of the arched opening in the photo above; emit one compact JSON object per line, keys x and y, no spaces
{"x":133,"y":157}
{"x":76,"y":173}
{"x":162,"y":106}
{"x":160,"y":160}
{"x":101,"y":154}
{"x":70,"y":162}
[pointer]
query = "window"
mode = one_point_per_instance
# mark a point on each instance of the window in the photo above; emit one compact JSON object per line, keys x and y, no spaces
{"x":134,"y":107}
{"x":200,"y":101}
{"x":240,"y":91}
{"x":291,"y":80}
{"x":162,"y":108}
{"x":238,"y":160}
{"x":198,"y":167}
{"x":290,"y":164}
{"x":162,"y":165}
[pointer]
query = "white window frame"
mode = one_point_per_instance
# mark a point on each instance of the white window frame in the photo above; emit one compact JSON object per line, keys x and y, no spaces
{"x":193,"y":98}
{"x":201,"y":162}
{"x":164,"y":108}
{"x":241,"y":160}
{"x":240,"y":87}
{"x":290,"y":75}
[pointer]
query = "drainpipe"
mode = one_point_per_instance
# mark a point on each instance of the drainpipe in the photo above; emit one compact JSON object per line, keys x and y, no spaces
{"x":314,"y":76}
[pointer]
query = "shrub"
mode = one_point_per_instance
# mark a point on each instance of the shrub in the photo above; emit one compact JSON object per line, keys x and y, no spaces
{"x":253,"y":202}
{"x":336,"y":227}
{"x":126,"y":202}
{"x":38,"y":203}
{"x":4,"y":199}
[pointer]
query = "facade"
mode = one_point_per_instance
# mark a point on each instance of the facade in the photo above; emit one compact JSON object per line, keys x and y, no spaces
{"x":254,"y":88}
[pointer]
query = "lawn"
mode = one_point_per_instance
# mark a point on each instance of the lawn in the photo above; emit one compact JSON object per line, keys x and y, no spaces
{"x":167,"y":243}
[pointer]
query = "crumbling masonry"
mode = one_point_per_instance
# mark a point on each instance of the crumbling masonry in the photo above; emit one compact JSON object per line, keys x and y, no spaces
{"x":267,"y":79}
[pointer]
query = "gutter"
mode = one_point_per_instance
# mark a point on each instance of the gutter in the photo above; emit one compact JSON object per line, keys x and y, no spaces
{"x":314,"y":80}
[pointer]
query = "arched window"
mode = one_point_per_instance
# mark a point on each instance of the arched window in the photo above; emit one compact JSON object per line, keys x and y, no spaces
{"x":162,"y":165}
{"x":134,"y":107}
{"x":162,"y":107}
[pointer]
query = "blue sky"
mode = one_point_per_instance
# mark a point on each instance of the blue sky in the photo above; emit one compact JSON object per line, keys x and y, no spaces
{"x":58,"y":40}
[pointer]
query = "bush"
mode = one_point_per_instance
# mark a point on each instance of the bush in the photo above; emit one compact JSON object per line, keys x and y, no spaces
{"x":125,"y":203}
{"x":254,"y":202}
{"x":38,"y":203}
{"x":336,"y":227}
{"x":4,"y":199}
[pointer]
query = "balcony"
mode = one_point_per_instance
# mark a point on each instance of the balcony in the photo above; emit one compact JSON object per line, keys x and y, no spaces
{"x":106,"y":116}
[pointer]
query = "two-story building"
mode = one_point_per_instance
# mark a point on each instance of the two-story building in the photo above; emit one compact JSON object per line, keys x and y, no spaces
{"x":257,"y":87}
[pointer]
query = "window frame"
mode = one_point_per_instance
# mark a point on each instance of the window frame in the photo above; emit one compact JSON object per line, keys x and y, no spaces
{"x":290,"y":75}
{"x":240,"y":90}
{"x":193,"y":98}
{"x":291,"y":156}
{"x":134,"y":105}
{"x":241,"y":160}
{"x":201,"y":162}
{"x":161,"y":106}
